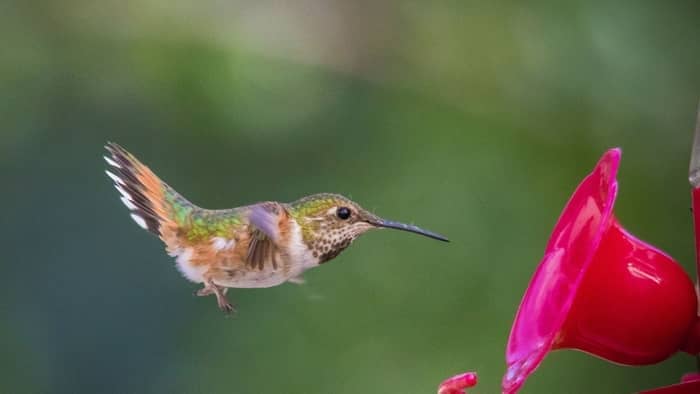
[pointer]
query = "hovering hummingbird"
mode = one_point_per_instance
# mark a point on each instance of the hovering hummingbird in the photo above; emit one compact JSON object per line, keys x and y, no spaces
{"x":254,"y":246}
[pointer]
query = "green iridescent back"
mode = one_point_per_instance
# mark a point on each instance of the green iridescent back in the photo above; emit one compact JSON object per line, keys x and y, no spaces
{"x":201,"y":224}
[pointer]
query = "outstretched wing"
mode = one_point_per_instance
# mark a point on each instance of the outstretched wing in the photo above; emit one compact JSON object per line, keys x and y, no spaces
{"x":268,"y":222}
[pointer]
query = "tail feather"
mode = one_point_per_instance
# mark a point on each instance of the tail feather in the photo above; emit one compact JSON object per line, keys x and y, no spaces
{"x":149,"y":199}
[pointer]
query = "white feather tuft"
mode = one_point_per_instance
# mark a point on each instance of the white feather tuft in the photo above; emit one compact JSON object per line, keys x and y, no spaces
{"x":221,"y":243}
{"x":115,"y":178}
{"x":192,"y":272}
{"x":111,"y":162}
{"x":184,"y":256}
{"x":140,"y":221}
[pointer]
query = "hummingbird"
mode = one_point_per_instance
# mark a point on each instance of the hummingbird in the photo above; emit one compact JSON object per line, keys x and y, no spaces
{"x":254,"y":246}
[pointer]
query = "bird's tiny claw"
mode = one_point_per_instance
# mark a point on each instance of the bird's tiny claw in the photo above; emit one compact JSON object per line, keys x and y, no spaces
{"x":228,"y":309}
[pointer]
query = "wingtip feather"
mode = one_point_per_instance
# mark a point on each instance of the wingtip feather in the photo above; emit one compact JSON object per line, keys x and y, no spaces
{"x":114,"y":178}
{"x":131,"y":179}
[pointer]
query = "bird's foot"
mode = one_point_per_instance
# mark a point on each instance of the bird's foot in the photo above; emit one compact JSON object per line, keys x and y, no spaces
{"x":220,"y":293}
{"x":222,"y":301}
{"x":226,"y":306}
{"x":208,"y":290}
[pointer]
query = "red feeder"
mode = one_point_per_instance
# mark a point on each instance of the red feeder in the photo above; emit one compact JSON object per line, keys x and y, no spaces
{"x":601,"y":290}
{"x":458,"y":383}
{"x":690,"y":382}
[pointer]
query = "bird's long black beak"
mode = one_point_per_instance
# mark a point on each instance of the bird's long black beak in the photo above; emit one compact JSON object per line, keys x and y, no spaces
{"x":409,"y":228}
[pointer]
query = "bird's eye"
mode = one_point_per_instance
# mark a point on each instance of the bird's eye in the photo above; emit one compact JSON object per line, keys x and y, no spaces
{"x":343,"y":213}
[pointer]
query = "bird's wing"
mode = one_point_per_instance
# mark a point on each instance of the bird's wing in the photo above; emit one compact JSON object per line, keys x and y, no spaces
{"x":268,"y":221}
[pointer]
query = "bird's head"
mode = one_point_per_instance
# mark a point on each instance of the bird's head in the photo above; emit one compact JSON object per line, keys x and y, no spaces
{"x":330,"y":222}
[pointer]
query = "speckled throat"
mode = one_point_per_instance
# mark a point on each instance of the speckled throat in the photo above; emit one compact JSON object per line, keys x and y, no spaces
{"x":328,"y":241}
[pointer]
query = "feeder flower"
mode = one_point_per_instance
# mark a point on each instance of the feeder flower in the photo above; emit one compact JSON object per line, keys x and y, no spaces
{"x":600,"y":290}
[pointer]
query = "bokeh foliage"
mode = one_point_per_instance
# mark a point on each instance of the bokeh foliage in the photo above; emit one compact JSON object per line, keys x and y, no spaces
{"x":474,"y":119}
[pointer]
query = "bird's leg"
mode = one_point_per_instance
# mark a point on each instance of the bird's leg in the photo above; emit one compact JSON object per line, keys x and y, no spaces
{"x":204,"y":291}
{"x":207,"y":291}
{"x":220,"y":292}
{"x":221,"y":300}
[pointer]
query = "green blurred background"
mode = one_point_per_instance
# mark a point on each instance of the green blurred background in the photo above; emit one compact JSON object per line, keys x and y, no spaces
{"x":473,"y":119}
